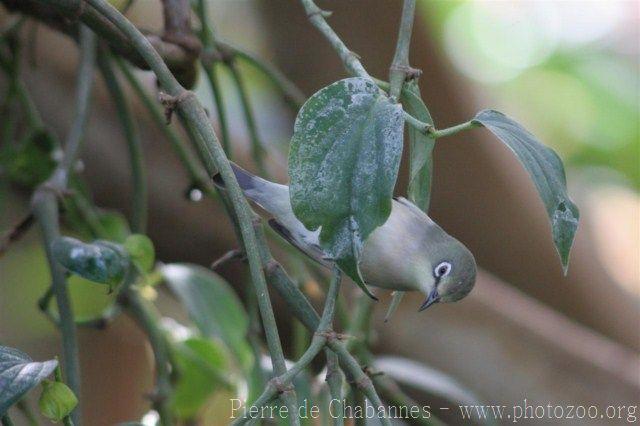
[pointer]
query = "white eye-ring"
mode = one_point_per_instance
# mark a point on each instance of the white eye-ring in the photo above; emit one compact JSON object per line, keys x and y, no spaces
{"x":442,"y":270}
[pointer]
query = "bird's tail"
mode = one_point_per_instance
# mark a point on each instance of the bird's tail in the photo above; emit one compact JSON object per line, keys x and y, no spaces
{"x":266,"y":194}
{"x":246,"y":179}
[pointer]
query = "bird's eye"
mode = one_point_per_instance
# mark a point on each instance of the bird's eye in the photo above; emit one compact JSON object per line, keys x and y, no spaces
{"x":442,"y":270}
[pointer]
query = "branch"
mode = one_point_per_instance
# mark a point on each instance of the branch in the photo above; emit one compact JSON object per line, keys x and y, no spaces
{"x":45,"y":210}
{"x":63,"y":16}
{"x":400,"y":69}
{"x":208,"y":38}
{"x":193,"y":113}
{"x":177,"y":25}
{"x":292,"y":93}
{"x":139,"y":216}
{"x":196,"y":174}
{"x":143,"y":314}
{"x":322,"y":335}
{"x":349,"y":59}
{"x":257,"y":147}
{"x":16,"y":232}
{"x":335,"y":381}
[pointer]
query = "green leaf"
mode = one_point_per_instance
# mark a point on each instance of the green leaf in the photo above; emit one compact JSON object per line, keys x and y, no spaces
{"x":343,"y":165}
{"x":101,"y":261}
{"x":427,"y":381}
{"x":212,"y":306}
{"x":30,"y":162}
{"x":141,"y":251}
{"x":57,"y":401}
{"x":421,"y":158}
{"x":19,"y":374}
{"x":547,"y":172}
{"x":114,"y":224}
{"x":202,"y":366}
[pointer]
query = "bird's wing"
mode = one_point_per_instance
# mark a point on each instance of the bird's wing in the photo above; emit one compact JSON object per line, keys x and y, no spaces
{"x":412,"y":207}
{"x":312,"y":250}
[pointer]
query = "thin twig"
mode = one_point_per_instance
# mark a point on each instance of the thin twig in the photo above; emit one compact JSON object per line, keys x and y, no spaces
{"x":208,"y":38}
{"x":231,"y":255}
{"x":291,"y":92}
{"x":16,"y":232}
{"x":257,"y":146}
{"x":134,"y":145}
{"x":146,"y":317}
{"x":196,"y":174}
{"x":400,"y":69}
{"x":45,"y":210}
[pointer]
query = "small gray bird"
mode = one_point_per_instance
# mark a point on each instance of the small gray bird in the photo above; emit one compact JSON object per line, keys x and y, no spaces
{"x":408,"y":252}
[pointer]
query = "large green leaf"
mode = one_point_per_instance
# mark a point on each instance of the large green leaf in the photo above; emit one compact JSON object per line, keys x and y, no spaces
{"x":19,"y":374}
{"x":203,"y":368}
{"x":547,"y":172}
{"x":421,"y":158}
{"x":343,"y":165}
{"x":212,"y":306}
{"x":101,"y":261}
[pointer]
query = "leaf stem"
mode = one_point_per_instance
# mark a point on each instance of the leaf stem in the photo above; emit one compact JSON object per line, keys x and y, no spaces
{"x":400,"y":69}
{"x":434,"y":133}
{"x":140,"y":198}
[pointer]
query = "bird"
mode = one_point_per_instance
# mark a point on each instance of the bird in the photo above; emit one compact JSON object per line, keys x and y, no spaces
{"x":409,"y":252}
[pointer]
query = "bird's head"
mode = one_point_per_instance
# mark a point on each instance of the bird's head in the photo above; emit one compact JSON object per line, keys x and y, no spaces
{"x":453,"y":273}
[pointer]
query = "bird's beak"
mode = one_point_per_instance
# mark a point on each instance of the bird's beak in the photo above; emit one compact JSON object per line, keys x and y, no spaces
{"x":434,"y":297}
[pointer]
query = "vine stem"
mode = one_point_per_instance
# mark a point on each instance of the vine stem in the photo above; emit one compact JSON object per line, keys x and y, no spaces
{"x":147,"y":319}
{"x":140,"y":198}
{"x":196,"y":174}
{"x":318,"y":342}
{"x":190,"y":109}
{"x":400,"y":69}
{"x":208,"y":38}
{"x":292,"y":93}
{"x":335,"y":380}
{"x":257,"y":147}
{"x":45,"y":208}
